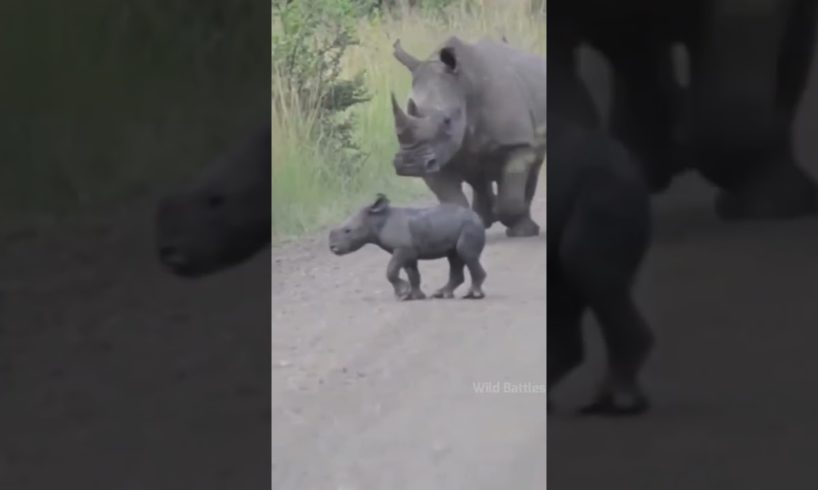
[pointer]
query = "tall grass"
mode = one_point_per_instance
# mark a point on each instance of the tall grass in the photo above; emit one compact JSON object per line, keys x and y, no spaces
{"x":309,"y":190}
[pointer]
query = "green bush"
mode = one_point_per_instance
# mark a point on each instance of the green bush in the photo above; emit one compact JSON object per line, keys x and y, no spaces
{"x":314,"y":184}
{"x":310,"y":38}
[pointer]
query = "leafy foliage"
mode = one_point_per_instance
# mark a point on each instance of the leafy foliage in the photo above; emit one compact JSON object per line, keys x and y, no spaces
{"x":310,"y":38}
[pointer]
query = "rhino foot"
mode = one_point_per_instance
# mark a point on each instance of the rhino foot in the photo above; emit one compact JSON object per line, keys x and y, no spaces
{"x":402,"y":289}
{"x":411,"y":295}
{"x":443,"y":293}
{"x":616,"y":404}
{"x":474,"y":293}
{"x":526,"y":227}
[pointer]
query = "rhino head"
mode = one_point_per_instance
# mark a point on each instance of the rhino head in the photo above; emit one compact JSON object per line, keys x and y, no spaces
{"x":222,"y":217}
{"x":360,"y":228}
{"x":431,"y":130}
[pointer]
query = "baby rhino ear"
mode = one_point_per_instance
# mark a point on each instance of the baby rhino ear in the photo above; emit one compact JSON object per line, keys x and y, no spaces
{"x":380,"y":204}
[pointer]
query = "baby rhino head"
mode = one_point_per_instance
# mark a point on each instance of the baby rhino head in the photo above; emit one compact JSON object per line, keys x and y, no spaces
{"x":360,"y":228}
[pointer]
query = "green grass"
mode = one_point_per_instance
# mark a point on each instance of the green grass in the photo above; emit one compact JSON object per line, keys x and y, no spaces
{"x":308,"y":192}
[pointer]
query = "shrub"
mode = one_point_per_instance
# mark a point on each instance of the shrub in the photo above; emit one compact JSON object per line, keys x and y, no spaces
{"x":310,"y":38}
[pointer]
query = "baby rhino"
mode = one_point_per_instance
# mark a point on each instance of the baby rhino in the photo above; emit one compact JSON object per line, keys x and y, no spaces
{"x":412,"y":234}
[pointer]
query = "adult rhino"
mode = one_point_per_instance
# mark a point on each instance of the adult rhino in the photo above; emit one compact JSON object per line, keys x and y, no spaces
{"x":476,"y":114}
{"x":732,"y":123}
{"x":223,"y":217}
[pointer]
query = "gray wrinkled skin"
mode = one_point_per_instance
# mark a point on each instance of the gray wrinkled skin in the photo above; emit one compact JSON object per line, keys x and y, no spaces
{"x":477,"y":114}
{"x":412,"y":234}
{"x":223,"y":217}
{"x":598,"y":233}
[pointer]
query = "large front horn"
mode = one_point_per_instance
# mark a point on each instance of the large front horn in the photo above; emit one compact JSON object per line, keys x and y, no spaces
{"x":405,"y":58}
{"x":403,"y":121}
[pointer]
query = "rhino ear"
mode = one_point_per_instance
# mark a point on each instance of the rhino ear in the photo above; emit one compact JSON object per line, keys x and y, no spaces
{"x":405,"y":58}
{"x":380,"y":204}
{"x":448,"y":57}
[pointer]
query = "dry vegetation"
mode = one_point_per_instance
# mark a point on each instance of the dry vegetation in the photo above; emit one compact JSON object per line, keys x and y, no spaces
{"x":313,"y":185}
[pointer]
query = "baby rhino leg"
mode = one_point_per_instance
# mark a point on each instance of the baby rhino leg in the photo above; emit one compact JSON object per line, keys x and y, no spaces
{"x":414,"y":281}
{"x":478,"y":275}
{"x":456,"y":277}
{"x":469,"y":247}
{"x":396,"y":263}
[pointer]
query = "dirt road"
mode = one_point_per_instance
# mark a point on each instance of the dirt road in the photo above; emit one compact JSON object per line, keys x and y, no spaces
{"x":370,"y":393}
{"x":735,"y":312}
{"x":111,"y":369}
{"x":373,"y":394}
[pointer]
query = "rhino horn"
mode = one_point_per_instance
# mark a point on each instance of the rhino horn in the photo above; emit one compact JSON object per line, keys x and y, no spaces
{"x":405,"y":58}
{"x":403,"y":121}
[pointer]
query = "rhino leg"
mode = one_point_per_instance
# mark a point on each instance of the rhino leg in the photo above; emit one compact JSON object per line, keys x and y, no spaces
{"x":447,"y":187}
{"x":601,"y":248}
{"x":478,"y":275}
{"x":533,"y":179}
{"x":456,"y":277}
{"x":483,"y":202}
{"x":413,"y":273}
{"x":513,"y":207}
{"x":400,"y":258}
{"x":469,"y":247}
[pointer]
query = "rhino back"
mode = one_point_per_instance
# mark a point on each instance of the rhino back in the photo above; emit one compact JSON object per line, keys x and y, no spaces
{"x":394,"y":233}
{"x":507,"y":103}
{"x":436,"y":230}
